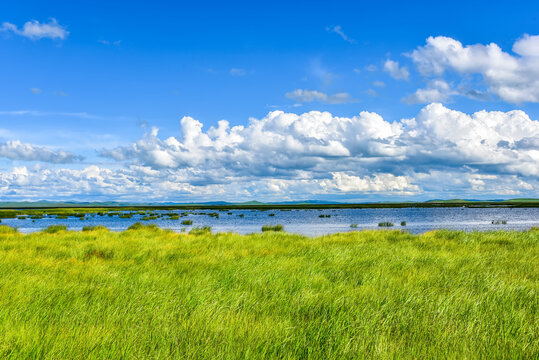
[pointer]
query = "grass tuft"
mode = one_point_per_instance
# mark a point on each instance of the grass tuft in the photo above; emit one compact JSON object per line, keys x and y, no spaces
{"x":277,"y":227}
{"x":6,"y":229}
{"x":53,"y":229}
{"x":200,"y":230}
{"x":95,"y":228}
{"x":140,"y":226}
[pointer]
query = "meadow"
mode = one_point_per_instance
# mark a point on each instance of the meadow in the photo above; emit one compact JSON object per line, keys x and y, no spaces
{"x":151,"y":293}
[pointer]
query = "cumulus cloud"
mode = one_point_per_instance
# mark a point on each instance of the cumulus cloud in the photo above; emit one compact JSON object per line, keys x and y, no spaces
{"x":316,"y":143}
{"x":302,"y":156}
{"x":512,"y":78}
{"x":35,"y":30}
{"x":483,"y":140}
{"x":436,"y":91}
{"x":16,"y":150}
{"x":378,"y":183}
{"x":304,"y":95}
{"x":142,"y":183}
{"x":396,"y":72}
{"x":338,"y":30}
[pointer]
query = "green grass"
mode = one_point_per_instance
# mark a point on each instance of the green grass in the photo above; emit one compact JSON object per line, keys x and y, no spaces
{"x":277,"y":227}
{"x":147,"y":293}
{"x":385,"y":224}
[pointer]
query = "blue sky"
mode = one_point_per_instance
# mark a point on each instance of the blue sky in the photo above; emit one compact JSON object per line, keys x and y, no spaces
{"x":345,"y":101}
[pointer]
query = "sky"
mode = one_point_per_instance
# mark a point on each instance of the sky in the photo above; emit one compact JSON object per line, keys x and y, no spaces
{"x":277,"y":101}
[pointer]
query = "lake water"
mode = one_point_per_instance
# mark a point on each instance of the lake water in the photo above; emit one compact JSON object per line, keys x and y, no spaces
{"x":309,"y":222}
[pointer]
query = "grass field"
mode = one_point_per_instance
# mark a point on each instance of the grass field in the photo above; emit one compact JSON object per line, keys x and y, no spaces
{"x":148,"y":293}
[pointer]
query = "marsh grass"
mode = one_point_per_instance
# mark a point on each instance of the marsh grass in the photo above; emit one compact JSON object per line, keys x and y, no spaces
{"x":277,"y":227}
{"x":385,"y":224}
{"x":54,"y":229}
{"x":200,"y":230}
{"x":147,"y":293}
{"x":187,"y":222}
{"x":95,"y":228}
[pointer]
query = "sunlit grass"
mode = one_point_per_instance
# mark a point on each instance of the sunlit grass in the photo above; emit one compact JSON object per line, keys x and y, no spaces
{"x":147,"y":293}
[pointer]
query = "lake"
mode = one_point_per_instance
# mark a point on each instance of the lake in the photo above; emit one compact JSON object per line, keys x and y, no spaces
{"x":311,"y":221}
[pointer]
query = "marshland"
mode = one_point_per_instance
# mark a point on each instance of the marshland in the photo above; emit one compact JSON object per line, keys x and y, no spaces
{"x":153,"y":293}
{"x":310,"y":220}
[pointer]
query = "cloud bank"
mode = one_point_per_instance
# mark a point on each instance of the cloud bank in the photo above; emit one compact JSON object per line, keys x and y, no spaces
{"x":299,"y":156}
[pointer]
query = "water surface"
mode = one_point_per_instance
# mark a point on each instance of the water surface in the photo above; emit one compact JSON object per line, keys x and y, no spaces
{"x":309,"y":222}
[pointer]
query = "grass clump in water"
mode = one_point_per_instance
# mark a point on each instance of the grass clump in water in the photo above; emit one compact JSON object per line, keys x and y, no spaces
{"x":277,"y":227}
{"x":53,"y":229}
{"x":385,"y":224}
{"x":200,"y":230}
{"x":403,"y":223}
{"x":187,"y":222}
{"x":141,"y":226}
{"x":95,"y":228}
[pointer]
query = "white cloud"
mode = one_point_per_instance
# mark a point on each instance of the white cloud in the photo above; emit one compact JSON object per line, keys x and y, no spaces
{"x":379,"y":84}
{"x":338,"y":30}
{"x":371,"y":92}
{"x":371,"y":68}
{"x":302,"y":156}
{"x":378,"y":183}
{"x":514,"y":79}
{"x":107,"y":42}
{"x":436,"y":91}
{"x":483,"y":140}
{"x":36,"y":90}
{"x":396,"y":72}
{"x":304,"y":95}
{"x":35,"y":30}
{"x":16,"y":150}
{"x":286,"y":144}
{"x":238,"y":72}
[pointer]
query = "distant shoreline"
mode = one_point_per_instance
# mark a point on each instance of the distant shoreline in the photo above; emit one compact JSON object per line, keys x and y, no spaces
{"x":532,"y":203}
